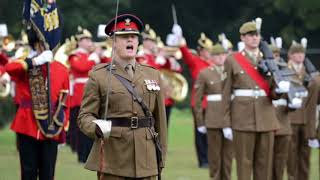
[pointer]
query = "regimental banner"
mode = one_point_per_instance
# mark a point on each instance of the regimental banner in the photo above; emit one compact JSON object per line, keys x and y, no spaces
{"x":43,"y":17}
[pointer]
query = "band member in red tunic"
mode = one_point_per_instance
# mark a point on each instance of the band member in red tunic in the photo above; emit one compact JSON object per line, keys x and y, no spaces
{"x":37,"y":135}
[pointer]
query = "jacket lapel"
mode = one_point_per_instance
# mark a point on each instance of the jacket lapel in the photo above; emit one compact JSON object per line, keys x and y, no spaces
{"x":138,"y":74}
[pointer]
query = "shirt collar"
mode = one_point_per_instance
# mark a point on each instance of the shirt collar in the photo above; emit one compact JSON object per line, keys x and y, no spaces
{"x":124,"y":63}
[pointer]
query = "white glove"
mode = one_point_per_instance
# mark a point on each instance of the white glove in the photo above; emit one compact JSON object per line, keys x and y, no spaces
{"x":94,"y":57}
{"x":227,"y":133}
{"x":313,"y":143}
{"x":177,"y":30}
{"x":105,"y":126}
{"x":173,"y":40}
{"x":296,"y":103}
{"x":202,"y":129}
{"x":161,"y":60}
{"x":44,"y":57}
{"x":283,"y":87}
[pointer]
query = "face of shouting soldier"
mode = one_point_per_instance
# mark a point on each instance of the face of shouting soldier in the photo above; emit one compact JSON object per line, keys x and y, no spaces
{"x":297,"y":57}
{"x":251,"y":40}
{"x":126,"y":46}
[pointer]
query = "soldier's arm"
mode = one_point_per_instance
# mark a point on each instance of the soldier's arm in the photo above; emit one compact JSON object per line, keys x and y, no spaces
{"x":227,"y":91}
{"x":65,"y":87}
{"x":90,"y":106}
{"x":199,"y":94}
{"x":80,"y":65}
{"x":17,"y":69}
{"x":188,"y":57}
{"x":3,"y":59}
{"x":311,"y":108}
{"x":160,"y":120}
{"x":273,"y":93}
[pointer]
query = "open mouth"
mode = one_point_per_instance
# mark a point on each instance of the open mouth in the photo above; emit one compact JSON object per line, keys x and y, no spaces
{"x":129,"y":47}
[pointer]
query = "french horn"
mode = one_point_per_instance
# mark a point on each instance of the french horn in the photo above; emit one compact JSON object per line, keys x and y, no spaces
{"x":5,"y":87}
{"x":176,"y":86}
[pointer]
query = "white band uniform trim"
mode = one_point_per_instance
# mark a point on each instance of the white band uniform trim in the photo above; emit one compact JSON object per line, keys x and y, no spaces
{"x":80,"y":80}
{"x":249,"y":92}
{"x":214,"y":97}
{"x":279,"y":102}
{"x":74,"y":81}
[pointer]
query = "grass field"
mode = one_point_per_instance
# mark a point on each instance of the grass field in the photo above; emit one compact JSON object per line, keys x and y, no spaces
{"x":181,"y":161}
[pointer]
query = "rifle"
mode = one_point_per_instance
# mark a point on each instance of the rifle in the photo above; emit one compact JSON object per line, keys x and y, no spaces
{"x":283,"y":74}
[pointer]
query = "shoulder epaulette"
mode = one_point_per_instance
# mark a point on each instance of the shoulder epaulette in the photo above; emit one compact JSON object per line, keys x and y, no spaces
{"x":147,"y":65}
{"x":100,"y":66}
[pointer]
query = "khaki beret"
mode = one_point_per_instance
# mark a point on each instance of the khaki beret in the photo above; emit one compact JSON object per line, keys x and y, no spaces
{"x":248,"y":27}
{"x":274,"y":49}
{"x":217,"y":49}
{"x":296,"y":48}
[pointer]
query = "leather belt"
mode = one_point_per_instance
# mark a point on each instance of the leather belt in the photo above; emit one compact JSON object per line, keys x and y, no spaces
{"x":132,"y":122}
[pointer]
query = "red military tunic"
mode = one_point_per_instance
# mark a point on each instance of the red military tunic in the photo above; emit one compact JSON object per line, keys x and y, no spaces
{"x":24,"y":121}
{"x":80,"y":66}
{"x":3,"y":59}
{"x":195,"y":64}
{"x":150,"y":60}
{"x":2,"y":70}
{"x":105,"y":59}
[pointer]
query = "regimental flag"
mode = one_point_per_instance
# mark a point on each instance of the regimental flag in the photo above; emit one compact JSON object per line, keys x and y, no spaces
{"x":43,"y":17}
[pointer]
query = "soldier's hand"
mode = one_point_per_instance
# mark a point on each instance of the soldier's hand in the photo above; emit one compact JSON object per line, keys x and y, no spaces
{"x":103,"y":128}
{"x":284,"y":87}
{"x":313,"y":143}
{"x":44,"y":57}
{"x":227,"y":133}
{"x":94,"y":57}
{"x":98,"y":132}
{"x":296,"y":103}
{"x":202,"y":129}
{"x":177,"y":30}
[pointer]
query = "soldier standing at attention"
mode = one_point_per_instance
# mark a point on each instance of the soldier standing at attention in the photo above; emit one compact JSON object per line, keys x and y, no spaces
{"x":283,"y":135}
{"x":135,"y":110}
{"x":210,"y":82}
{"x":252,"y":115}
{"x":303,"y":119}
{"x":196,"y":63}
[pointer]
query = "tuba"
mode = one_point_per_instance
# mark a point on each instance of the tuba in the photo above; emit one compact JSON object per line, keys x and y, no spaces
{"x":176,"y":86}
{"x":62,"y":54}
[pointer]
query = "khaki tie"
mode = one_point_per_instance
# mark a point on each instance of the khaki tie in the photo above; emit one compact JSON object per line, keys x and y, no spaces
{"x":129,"y":70}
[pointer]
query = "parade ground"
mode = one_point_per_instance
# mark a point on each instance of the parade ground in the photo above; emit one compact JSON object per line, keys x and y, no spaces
{"x":180,"y":164}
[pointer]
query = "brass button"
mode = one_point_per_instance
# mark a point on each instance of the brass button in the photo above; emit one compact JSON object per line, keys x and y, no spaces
{"x":133,"y":85}
{"x":135,"y":113}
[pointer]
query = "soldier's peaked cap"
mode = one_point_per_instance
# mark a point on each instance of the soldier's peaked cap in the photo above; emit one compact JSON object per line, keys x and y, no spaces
{"x":126,"y":24}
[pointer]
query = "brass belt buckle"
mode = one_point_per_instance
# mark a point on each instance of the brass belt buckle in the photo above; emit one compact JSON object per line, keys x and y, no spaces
{"x":134,"y":122}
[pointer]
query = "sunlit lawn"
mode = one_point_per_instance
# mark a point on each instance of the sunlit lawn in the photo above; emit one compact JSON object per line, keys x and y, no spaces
{"x":181,"y":161}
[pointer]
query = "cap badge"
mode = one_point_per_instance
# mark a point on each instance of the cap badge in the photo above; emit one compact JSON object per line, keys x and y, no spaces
{"x":127,"y":22}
